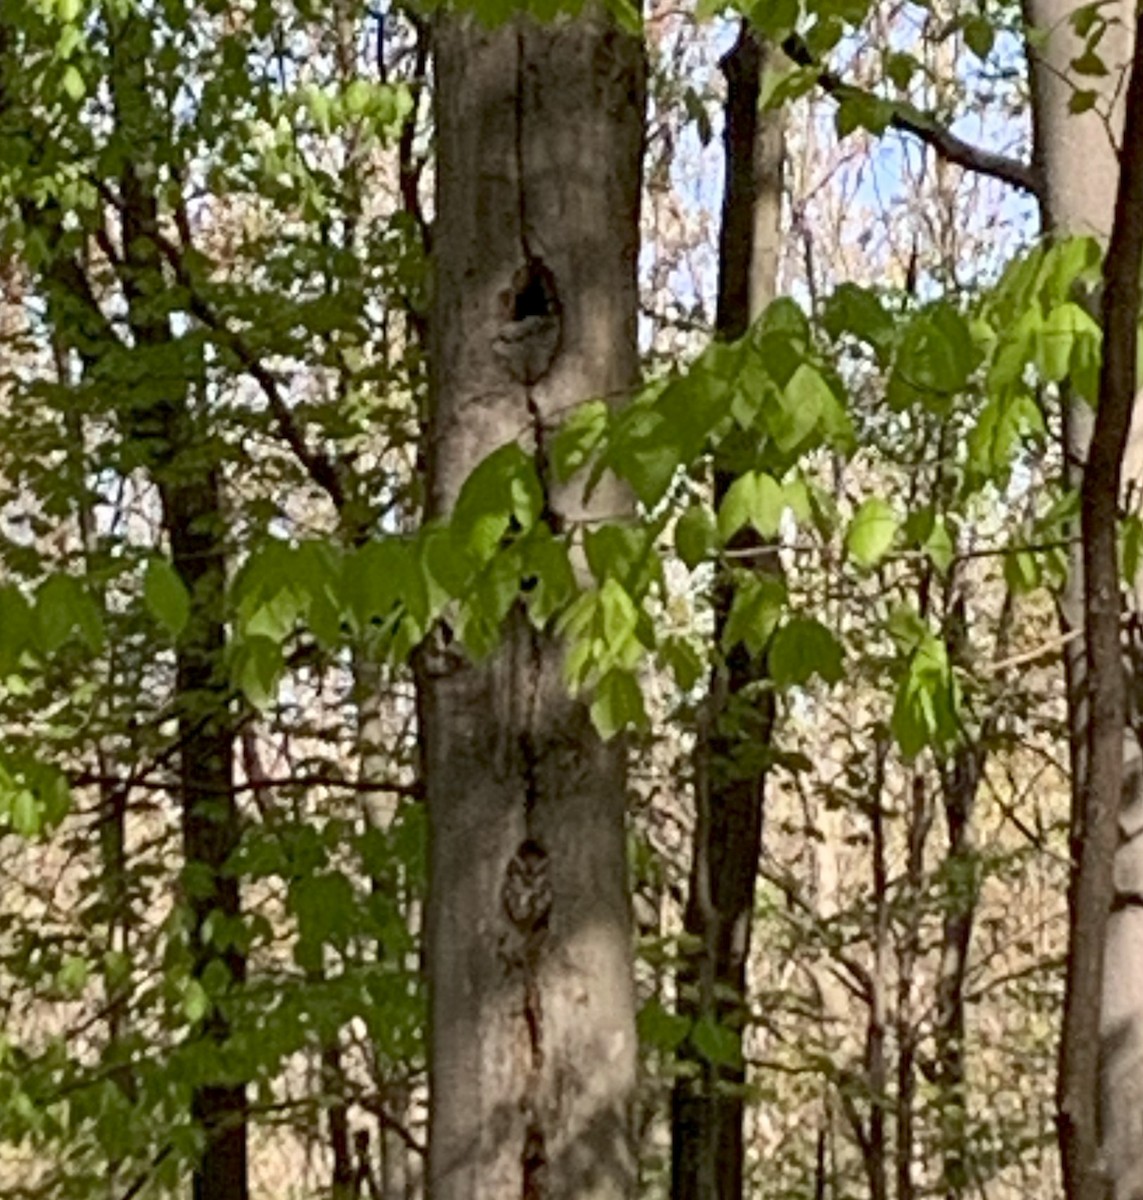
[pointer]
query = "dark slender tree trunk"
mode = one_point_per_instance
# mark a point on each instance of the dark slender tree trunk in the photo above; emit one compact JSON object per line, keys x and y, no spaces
{"x":876,"y":1065}
{"x":920,"y":821}
{"x":532,"y":1033}
{"x":189,"y":485}
{"x":707,"y":1106}
{"x":956,"y":936}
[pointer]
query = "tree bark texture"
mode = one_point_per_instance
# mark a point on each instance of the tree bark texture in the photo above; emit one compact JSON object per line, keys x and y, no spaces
{"x":1088,"y":1040}
{"x":962,"y":883}
{"x":189,"y":485}
{"x":532,"y":1032}
{"x":707,"y":1103}
{"x":1078,"y":165}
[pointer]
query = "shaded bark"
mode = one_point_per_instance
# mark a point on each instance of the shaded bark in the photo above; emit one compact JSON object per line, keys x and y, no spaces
{"x":532,"y":1034}
{"x":1080,"y":169}
{"x":189,"y":484}
{"x":707,"y":1104}
{"x":959,"y":788}
{"x":920,"y":821}
{"x":1096,"y":829}
{"x":876,"y":1150}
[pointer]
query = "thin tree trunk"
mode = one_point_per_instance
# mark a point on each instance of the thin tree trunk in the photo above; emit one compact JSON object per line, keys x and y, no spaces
{"x":707,"y":1106}
{"x":189,"y":486}
{"x":1079,"y":169}
{"x":1087,"y":1039}
{"x":164,"y":429}
{"x":960,"y":784}
{"x":956,"y":936}
{"x":532,"y":1032}
{"x":920,"y":821}
{"x":876,"y":1069}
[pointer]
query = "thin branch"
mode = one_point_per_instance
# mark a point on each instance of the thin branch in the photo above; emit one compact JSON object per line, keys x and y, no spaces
{"x":925,"y":127}
{"x":1051,"y":646}
{"x":412,"y":790}
{"x":320,"y":467}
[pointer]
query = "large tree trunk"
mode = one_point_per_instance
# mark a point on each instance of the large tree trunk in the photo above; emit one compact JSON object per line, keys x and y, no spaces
{"x":707,"y":1105}
{"x":1079,"y":169}
{"x":532,"y":1032}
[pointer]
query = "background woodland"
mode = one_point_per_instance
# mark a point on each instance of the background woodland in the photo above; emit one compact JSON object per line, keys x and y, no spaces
{"x":544,"y":644}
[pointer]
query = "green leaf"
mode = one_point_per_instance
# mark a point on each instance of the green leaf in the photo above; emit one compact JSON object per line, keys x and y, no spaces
{"x":679,"y":657}
{"x":502,"y":494}
{"x":696,"y":535}
{"x":1022,"y":571}
{"x":578,"y":438}
{"x":858,"y":311}
{"x":805,"y":397}
{"x":757,"y":607}
{"x":1081,"y":101}
{"x":774,"y":19}
{"x":900,"y":69}
{"x":256,"y":669}
{"x":862,"y":110}
{"x":379,"y":574}
{"x":548,"y":581}
{"x":73,"y":83}
{"x":17,"y":628}
{"x":195,"y":1001}
{"x":318,"y":568}
{"x":325,"y":905}
{"x":1084,"y":18}
{"x":63,"y":608}
{"x":1089,"y":63}
{"x":660,"y":1029}
{"x":617,"y":704}
{"x":871,"y":533}
{"x":754,"y":499}
{"x":625,"y":553}
{"x":979,"y":36}
{"x":619,"y":613}
{"x":999,"y":433}
{"x":926,"y":709}
{"x":936,"y":357}
{"x":802,"y":648}
{"x":781,"y":85}
{"x":939,"y":545}
{"x":1060,"y":335}
{"x":25,"y":814}
{"x":165,"y":596}
{"x":716,"y":1043}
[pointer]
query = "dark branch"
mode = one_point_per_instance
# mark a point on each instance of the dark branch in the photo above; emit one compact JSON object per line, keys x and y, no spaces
{"x":926,"y":128}
{"x":320,"y":467}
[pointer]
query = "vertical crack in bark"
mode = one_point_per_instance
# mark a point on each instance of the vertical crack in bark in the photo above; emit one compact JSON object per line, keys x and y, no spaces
{"x":528,"y":903}
{"x":535,"y":325}
{"x":534,"y":1161}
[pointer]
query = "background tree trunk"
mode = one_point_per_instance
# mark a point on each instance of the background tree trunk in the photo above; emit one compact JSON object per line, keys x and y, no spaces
{"x":190,"y":487}
{"x":1079,"y":170}
{"x":707,"y":1104}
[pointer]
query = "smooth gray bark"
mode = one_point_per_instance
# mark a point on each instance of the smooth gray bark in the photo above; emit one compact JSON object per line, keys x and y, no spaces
{"x":1078,"y":164}
{"x":532,"y":1031}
